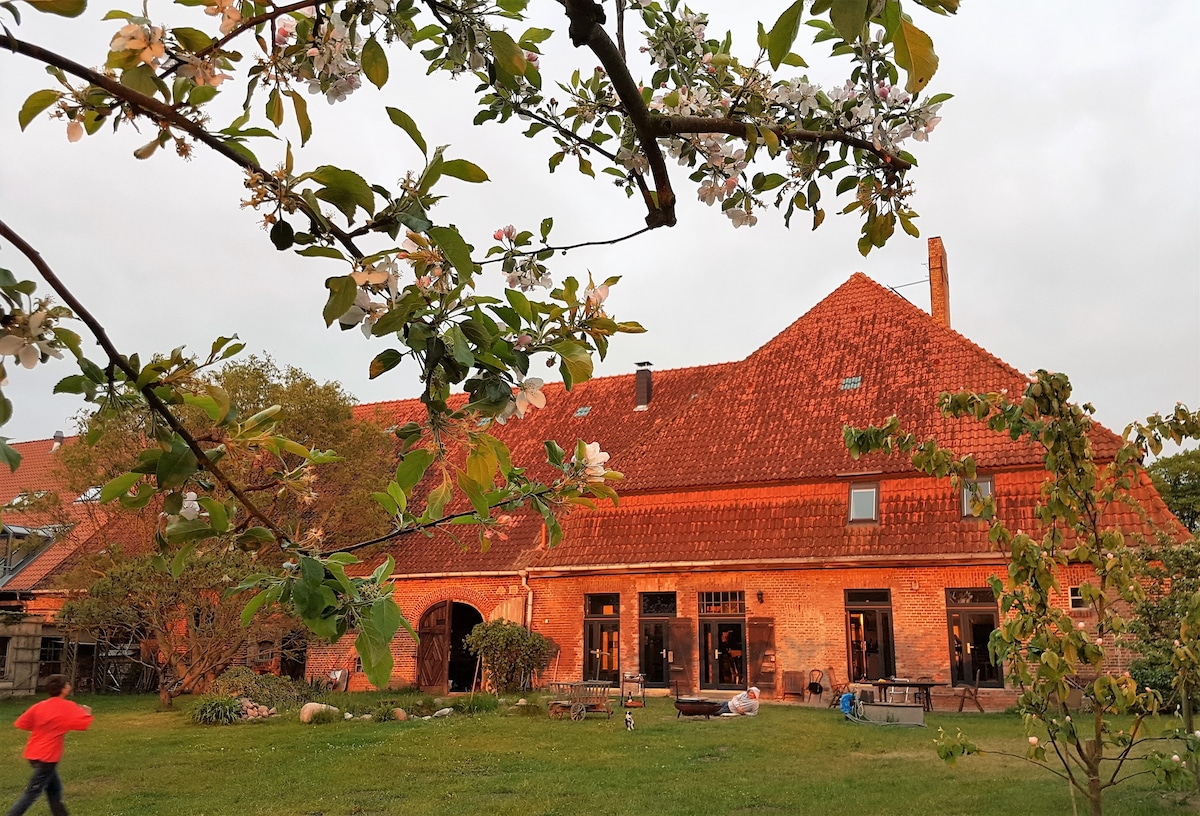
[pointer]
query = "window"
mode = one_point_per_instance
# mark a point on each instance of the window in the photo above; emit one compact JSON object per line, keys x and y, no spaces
{"x":1077,"y":601}
{"x":26,"y":499}
{"x":92,"y":494}
{"x":864,"y":502}
{"x":265,"y":652}
{"x":850,"y":383}
{"x":658,"y":604}
{"x":50,"y":657}
{"x":602,"y":637}
{"x":869,"y":634}
{"x":985,"y":487}
{"x":971,"y":617}
{"x":723,"y":603}
{"x":4,"y":657}
{"x":583,"y":411}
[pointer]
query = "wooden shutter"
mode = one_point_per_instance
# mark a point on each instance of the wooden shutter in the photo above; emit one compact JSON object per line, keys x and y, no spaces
{"x":679,"y":656}
{"x":760,"y":653}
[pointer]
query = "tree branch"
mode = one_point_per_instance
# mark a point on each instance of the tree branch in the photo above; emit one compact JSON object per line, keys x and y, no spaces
{"x":164,"y":114}
{"x":570,"y":246}
{"x":662,"y":126}
{"x":248,"y":23}
{"x":586,"y":18}
{"x":147,"y":391}
{"x":566,"y":133}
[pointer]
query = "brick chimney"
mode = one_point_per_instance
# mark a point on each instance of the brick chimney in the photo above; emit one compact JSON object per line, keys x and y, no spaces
{"x":59,"y":436}
{"x":643,"y":387}
{"x":939,"y":283}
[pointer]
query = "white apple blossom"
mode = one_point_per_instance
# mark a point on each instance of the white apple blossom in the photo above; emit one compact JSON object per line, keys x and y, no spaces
{"x":593,"y":462}
{"x":146,"y":40}
{"x":529,"y":395}
{"x":228,"y":11}
{"x":27,"y":340}
{"x":191,"y":508}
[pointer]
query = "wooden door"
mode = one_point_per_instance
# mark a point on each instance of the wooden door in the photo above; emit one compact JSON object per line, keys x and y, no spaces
{"x":760,"y":654}
{"x":433,"y":654}
{"x":679,"y":656}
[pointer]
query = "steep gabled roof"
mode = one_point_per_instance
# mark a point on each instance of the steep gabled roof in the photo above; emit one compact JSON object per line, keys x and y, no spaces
{"x":859,"y":356}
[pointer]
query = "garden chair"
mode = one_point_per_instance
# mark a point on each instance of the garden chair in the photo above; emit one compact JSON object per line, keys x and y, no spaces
{"x":793,"y":684}
{"x":836,"y":689}
{"x":815,"y":687}
{"x":895,"y":690}
{"x":971,"y":692}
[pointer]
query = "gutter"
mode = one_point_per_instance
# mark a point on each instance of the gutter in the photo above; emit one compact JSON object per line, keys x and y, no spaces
{"x":875,"y":562}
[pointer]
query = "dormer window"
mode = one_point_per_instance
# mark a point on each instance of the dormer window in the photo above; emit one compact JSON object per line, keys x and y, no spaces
{"x":864,"y":502}
{"x":26,"y":498}
{"x":92,"y":494}
{"x":985,"y":487}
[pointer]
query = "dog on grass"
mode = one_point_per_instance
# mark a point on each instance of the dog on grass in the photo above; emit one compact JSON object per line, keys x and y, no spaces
{"x":628,"y":720}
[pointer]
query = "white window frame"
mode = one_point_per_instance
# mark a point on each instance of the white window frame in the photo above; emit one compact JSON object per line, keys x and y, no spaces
{"x":965,"y":493}
{"x":863,"y":488}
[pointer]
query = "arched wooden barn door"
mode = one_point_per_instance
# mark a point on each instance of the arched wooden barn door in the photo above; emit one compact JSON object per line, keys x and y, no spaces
{"x":433,"y":655}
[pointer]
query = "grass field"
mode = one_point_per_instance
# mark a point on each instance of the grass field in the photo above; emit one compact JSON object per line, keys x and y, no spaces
{"x":136,"y":761}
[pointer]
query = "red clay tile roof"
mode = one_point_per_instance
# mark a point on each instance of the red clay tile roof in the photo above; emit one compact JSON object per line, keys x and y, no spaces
{"x":778,"y":416}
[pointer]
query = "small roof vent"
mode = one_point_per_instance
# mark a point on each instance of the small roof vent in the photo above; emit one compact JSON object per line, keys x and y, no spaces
{"x":583,"y":410}
{"x":850,"y":383}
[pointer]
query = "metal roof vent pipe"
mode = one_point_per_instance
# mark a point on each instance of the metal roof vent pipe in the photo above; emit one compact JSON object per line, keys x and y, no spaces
{"x":643,"y":387}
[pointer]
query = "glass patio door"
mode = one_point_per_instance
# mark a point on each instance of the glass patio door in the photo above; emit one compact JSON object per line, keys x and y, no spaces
{"x":723,"y":654}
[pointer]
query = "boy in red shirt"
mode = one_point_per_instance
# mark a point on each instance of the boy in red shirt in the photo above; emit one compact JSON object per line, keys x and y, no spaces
{"x":49,"y":720}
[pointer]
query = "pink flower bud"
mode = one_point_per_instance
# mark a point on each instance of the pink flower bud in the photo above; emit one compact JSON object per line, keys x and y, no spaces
{"x":1033,"y":741}
{"x":75,"y":133}
{"x":498,"y":235}
{"x":1175,"y":757}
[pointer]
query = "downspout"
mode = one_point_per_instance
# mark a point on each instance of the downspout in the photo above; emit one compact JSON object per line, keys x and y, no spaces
{"x":528,"y":599}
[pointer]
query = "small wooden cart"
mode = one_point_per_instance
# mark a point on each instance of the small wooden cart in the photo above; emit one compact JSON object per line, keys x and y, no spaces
{"x":589,"y":697}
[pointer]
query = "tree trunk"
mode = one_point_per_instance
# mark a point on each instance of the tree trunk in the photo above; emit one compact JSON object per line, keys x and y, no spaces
{"x":1185,"y":693}
{"x":1095,"y":789}
{"x":165,"y":700}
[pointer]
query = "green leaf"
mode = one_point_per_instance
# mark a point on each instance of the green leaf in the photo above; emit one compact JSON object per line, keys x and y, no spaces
{"x":456,"y":250}
{"x":385,"y":361}
{"x":255,"y":537}
{"x":344,"y":189}
{"x":914,"y":53}
{"x":140,"y":79}
{"x":218,"y":516}
{"x":37,"y":102}
{"x":374,"y":640}
{"x":179,"y":562}
{"x":510,"y":57}
{"x":305,"y":124}
{"x":321,"y":252}
{"x":118,"y":486}
{"x":439,"y":497}
{"x":282,"y":235}
{"x":412,"y":469}
{"x":9,"y":455}
{"x":474,"y":492}
{"x":374,"y":62}
{"x":342,"y":292}
{"x":193,"y":39}
{"x":403,"y":121}
{"x":464,"y":170}
{"x":254,"y":605}
{"x":182,"y":530}
{"x":520,"y":304}
{"x":783,"y":33}
{"x":176,"y":465}
{"x":63,"y":8}
{"x":575,"y":363}
{"x":848,"y":17}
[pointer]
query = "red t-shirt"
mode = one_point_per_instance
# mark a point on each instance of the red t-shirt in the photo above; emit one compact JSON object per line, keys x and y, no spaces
{"x":49,"y":720}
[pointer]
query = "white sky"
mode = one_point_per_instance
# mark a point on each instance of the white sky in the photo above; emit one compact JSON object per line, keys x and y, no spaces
{"x":1063,"y":180}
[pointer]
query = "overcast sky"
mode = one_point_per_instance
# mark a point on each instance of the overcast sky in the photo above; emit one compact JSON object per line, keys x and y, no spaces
{"x":1063,"y":180}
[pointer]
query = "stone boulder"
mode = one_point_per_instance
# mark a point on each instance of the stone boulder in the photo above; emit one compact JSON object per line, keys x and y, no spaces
{"x":310,"y":709}
{"x":443,"y":712}
{"x":398,"y":715}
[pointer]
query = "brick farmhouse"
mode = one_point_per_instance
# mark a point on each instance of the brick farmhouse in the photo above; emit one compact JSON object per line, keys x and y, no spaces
{"x":748,"y":547}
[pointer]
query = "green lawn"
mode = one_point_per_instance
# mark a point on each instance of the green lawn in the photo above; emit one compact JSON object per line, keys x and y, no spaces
{"x":137,"y":761}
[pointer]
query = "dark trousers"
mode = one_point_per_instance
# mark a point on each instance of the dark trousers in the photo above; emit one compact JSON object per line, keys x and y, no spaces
{"x":45,"y":778}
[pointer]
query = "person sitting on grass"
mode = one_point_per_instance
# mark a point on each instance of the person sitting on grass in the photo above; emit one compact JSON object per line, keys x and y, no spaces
{"x":745,"y":703}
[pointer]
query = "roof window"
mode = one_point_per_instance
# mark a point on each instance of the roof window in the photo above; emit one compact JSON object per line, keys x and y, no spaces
{"x":583,"y":411}
{"x":92,"y":494}
{"x":850,"y":383}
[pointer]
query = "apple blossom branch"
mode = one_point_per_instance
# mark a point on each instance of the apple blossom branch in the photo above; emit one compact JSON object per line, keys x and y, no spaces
{"x":163,"y":114}
{"x":243,"y":26}
{"x":118,"y":360}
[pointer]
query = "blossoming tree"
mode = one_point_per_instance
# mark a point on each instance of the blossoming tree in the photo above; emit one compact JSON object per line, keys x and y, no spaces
{"x":408,"y":278}
{"x":1073,"y":734}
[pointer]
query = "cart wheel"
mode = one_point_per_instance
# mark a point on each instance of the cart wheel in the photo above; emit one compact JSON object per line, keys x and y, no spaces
{"x":578,"y":711}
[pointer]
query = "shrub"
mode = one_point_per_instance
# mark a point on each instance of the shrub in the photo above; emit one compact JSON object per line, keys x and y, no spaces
{"x":216,"y":709}
{"x":511,"y":653}
{"x":265,"y":689}
{"x":382,"y":712}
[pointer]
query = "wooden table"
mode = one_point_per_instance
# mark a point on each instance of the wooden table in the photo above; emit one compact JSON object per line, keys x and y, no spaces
{"x":922,"y":688}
